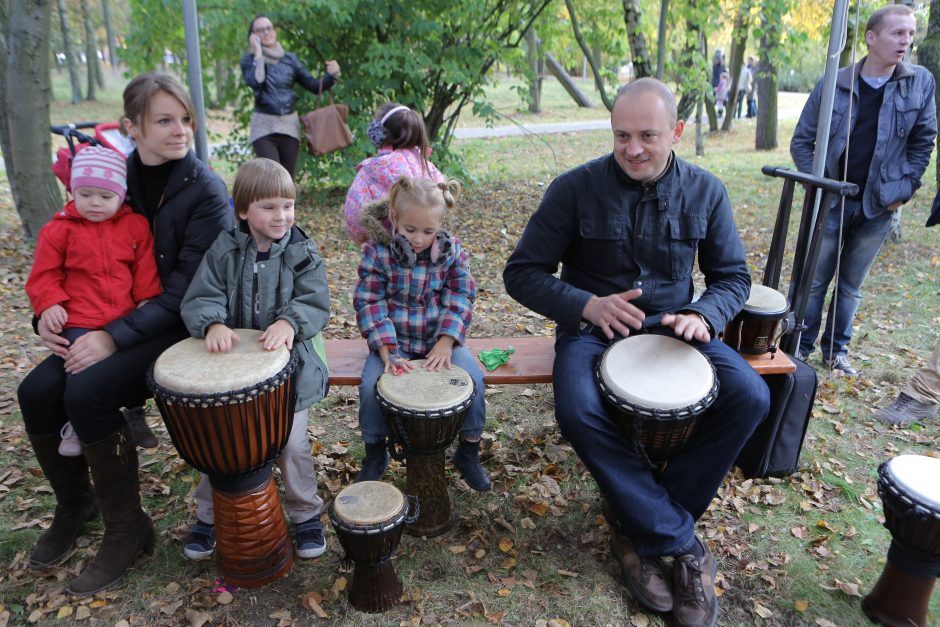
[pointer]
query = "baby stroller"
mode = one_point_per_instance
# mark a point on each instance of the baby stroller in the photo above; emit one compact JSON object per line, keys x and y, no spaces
{"x":105,"y":135}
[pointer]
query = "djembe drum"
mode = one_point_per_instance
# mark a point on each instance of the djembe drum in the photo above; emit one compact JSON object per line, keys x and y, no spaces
{"x":909,"y":487}
{"x":659,"y":386}
{"x":368,"y":518}
{"x":425,"y":411}
{"x":754,"y":330}
{"x":229,"y":415}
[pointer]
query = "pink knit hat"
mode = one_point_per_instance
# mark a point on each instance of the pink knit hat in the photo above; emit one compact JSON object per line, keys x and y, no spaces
{"x":95,"y":166}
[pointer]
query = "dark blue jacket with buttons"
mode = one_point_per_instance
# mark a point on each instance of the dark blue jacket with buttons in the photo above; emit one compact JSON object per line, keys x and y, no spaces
{"x":611,"y":234}
{"x":275,"y":95}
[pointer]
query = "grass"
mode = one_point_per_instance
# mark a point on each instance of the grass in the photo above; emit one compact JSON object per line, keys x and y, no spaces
{"x":561,"y":568}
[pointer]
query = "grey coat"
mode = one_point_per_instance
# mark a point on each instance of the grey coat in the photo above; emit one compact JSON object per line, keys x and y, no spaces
{"x":907,"y":126}
{"x":292,"y":284}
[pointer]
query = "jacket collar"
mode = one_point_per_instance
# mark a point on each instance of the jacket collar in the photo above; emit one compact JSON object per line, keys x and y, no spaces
{"x":185,"y":172}
{"x":70,"y":212}
{"x":844,"y":78}
{"x":241,"y":238}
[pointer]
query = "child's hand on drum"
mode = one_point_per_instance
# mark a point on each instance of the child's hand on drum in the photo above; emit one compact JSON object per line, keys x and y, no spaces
{"x":394,"y":362}
{"x":219,"y":338}
{"x":279,"y":333}
{"x":54,"y":318}
{"x":439,"y":356}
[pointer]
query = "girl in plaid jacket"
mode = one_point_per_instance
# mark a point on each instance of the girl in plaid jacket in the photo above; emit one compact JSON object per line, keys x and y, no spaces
{"x":414,"y":299}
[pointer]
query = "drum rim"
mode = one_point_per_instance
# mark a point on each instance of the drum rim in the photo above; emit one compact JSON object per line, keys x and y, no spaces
{"x":886,"y":482}
{"x":770,"y":312}
{"x":430,"y":412}
{"x":444,"y":412}
{"x":215,"y":399}
{"x":386,"y":525}
{"x":687,"y":411}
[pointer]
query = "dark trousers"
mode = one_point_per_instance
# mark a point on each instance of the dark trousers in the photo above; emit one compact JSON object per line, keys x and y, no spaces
{"x":92,"y":399}
{"x":280,"y":148}
{"x":656,"y":511}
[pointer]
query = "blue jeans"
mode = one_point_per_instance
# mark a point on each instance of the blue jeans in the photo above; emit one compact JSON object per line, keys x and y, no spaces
{"x":372,"y":421}
{"x":862,"y":238}
{"x":656,"y":510}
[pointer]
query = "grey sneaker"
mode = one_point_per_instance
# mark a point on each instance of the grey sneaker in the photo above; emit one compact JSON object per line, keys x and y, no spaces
{"x":694,"y":590}
{"x":841,"y":362}
{"x":905,"y":410}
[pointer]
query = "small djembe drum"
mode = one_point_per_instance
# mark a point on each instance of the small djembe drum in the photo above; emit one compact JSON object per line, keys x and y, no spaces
{"x":754,"y":330}
{"x":659,"y":386}
{"x":368,"y":518}
{"x":229,"y":415}
{"x":425,"y":411}
{"x":909,"y":487}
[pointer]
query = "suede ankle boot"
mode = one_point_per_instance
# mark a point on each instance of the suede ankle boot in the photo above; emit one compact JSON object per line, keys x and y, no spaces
{"x":467,"y":461}
{"x":136,"y":419}
{"x":128,"y":530}
{"x":374,"y":463}
{"x":75,"y":501}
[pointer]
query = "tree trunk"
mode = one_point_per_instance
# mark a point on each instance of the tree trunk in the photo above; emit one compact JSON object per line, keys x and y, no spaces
{"x":928,"y":55}
{"x":738,"y":44}
{"x":699,"y":135}
{"x":221,"y":78}
{"x":661,"y":39}
{"x":712,"y":114}
{"x":24,"y":130}
{"x":559,"y":72}
{"x":91,"y":56}
{"x":641,"y":58}
{"x":535,"y":80}
{"x":766,"y":136}
{"x":69,"y":56}
{"x":112,"y":41}
{"x":598,"y":79}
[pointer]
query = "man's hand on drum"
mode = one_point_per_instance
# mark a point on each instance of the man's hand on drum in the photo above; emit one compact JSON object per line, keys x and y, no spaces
{"x":88,"y":350}
{"x":279,"y":333}
{"x":688,"y":326}
{"x":439,"y":356}
{"x":219,"y":338}
{"x":394,"y":363}
{"x":615,"y":313}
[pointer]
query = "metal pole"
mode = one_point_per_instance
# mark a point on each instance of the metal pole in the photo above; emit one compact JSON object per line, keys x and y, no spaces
{"x":191,"y":27}
{"x":836,"y":43}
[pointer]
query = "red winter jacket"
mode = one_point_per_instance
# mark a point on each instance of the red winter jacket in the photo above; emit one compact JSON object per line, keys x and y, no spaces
{"x":98,"y":271}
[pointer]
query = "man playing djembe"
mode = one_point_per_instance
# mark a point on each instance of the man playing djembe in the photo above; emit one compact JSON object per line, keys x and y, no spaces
{"x":625,"y":228}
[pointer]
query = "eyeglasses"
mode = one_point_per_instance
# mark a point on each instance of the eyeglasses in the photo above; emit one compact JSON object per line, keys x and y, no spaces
{"x":264,"y":29}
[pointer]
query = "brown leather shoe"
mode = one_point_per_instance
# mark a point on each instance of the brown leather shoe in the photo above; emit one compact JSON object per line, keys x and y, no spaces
{"x":644,"y":577}
{"x":694,"y":586}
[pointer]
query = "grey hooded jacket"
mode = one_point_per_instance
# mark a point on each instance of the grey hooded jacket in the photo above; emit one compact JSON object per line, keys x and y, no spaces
{"x":292,"y":284}
{"x":907,"y":127}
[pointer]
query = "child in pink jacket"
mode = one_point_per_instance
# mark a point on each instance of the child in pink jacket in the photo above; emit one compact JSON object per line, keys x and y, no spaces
{"x":399,"y":134}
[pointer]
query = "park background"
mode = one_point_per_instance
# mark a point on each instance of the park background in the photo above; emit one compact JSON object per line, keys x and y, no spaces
{"x":791,"y":551}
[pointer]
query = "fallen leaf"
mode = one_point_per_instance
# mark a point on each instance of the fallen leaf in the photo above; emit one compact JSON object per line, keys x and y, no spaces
{"x":64,"y":612}
{"x":801,"y":605}
{"x":505,"y":545}
{"x":225,"y":597}
{"x":456,"y":550}
{"x":567,"y":573}
{"x":311,"y":601}
{"x":762,"y":611}
{"x":503,"y":592}
{"x":82,"y":612}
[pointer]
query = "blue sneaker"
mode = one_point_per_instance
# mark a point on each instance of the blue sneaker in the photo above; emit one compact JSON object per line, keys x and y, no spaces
{"x":309,"y":540}
{"x":200,"y":541}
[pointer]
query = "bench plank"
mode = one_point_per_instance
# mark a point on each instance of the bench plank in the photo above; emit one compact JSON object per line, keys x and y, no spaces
{"x":531,"y":363}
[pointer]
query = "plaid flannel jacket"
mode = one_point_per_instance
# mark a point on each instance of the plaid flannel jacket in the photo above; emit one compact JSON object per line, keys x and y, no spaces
{"x":409,"y":308}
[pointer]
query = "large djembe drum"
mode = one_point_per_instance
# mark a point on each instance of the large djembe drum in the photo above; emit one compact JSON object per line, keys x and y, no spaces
{"x":368,"y":518}
{"x":659,"y":386}
{"x":229,"y":415}
{"x":754,"y":331}
{"x":425,"y":411}
{"x":909,"y":487}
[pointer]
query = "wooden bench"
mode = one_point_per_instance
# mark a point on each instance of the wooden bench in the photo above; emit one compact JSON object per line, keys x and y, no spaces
{"x":531,"y":363}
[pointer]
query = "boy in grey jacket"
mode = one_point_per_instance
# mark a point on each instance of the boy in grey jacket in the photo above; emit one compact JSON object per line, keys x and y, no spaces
{"x":266,"y":274}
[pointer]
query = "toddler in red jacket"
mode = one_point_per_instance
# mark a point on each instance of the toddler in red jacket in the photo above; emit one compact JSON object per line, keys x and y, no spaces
{"x":94,"y":260}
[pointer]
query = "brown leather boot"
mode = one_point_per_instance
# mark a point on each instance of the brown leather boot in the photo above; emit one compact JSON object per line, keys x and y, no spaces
{"x":694,"y":587}
{"x":899,"y":599}
{"x":128,"y":530}
{"x":644,"y":577}
{"x":75,"y":501}
{"x":136,"y":419}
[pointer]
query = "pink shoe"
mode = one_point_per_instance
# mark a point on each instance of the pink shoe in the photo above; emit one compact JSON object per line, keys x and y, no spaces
{"x":70,"y":446}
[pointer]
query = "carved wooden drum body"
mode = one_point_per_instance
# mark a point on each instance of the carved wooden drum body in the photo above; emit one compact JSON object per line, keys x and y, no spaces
{"x":229,"y":415}
{"x":754,"y":331}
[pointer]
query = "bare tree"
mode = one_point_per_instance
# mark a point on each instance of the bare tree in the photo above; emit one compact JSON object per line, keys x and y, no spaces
{"x":24,"y":130}
{"x":67,"y":51}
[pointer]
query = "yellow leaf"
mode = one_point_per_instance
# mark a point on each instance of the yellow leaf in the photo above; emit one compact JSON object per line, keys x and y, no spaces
{"x":538,"y":508}
{"x":65,"y":611}
{"x":505,"y":545}
{"x":339,"y":585}
{"x":503,"y":592}
{"x":479,"y":553}
{"x":456,"y":550}
{"x":97,"y":603}
{"x":801,"y":605}
{"x":509,"y":563}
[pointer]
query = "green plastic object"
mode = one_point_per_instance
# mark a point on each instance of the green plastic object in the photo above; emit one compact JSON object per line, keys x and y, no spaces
{"x":496,"y":357}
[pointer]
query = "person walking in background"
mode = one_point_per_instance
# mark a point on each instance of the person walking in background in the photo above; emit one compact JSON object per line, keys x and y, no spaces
{"x":718,"y":66}
{"x":403,"y":148}
{"x":752,"y":92}
{"x":271,"y":73}
{"x":744,"y":87}
{"x":721,"y":93}
{"x":884,"y":148}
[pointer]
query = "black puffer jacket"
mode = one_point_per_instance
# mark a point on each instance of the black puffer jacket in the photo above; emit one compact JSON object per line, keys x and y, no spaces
{"x":275,"y":96}
{"x":192,"y":213}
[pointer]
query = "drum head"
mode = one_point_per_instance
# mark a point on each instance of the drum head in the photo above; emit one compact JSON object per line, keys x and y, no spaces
{"x":765,"y":300}
{"x":657,"y":372}
{"x":368,"y":503}
{"x":188,"y":368}
{"x":917,"y":476}
{"x":423,"y":390}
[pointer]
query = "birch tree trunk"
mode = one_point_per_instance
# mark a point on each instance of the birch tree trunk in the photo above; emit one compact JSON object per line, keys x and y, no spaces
{"x":638,"y":49}
{"x":24,"y":130}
